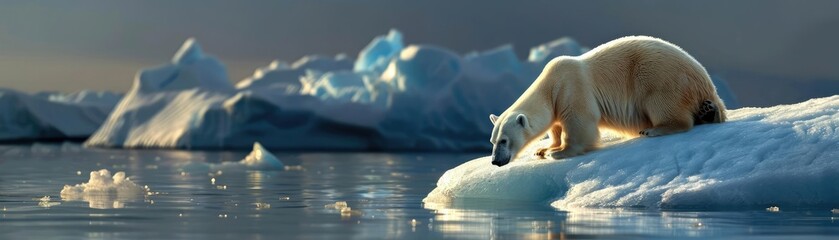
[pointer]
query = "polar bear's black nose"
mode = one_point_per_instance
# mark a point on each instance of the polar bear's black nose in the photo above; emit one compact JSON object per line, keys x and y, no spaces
{"x":498,"y":163}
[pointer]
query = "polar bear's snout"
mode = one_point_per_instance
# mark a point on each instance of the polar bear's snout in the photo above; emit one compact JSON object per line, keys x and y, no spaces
{"x":501,"y":154}
{"x":500,"y":160}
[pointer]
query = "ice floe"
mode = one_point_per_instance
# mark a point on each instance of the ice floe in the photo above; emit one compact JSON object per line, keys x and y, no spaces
{"x":778,"y":156}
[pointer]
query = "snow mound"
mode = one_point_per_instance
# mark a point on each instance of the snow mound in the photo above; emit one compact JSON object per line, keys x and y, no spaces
{"x":778,"y":156}
{"x":258,"y":159}
{"x":50,"y":115}
{"x":394,"y":97}
{"x":104,"y":191}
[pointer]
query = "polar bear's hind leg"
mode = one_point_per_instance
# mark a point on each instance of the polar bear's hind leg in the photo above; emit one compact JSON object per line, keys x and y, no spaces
{"x":675,"y":122}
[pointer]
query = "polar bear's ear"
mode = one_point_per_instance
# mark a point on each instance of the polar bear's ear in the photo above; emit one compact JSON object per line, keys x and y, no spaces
{"x":521,"y":119}
{"x":493,"y":118}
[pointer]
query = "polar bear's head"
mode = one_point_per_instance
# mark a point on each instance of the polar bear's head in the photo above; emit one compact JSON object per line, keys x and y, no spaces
{"x":511,"y":133}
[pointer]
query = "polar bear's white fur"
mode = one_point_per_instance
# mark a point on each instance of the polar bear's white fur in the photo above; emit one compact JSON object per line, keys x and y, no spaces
{"x":633,"y":85}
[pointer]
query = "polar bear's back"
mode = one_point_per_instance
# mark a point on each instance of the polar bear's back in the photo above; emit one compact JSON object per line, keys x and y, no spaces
{"x":637,"y":77}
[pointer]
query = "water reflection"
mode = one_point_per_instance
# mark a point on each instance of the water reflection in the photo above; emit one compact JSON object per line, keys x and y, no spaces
{"x":383,"y":194}
{"x":500,"y":219}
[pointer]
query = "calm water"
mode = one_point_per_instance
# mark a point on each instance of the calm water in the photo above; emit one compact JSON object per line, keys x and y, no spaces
{"x":385,"y":193}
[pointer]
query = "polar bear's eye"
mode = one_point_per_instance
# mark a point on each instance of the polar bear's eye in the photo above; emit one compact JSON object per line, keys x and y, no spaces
{"x":502,"y":141}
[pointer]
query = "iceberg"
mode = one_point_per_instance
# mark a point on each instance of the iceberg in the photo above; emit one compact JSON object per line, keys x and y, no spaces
{"x":779,"y":156}
{"x":104,"y":191}
{"x":51,"y":115}
{"x":393,"y":97}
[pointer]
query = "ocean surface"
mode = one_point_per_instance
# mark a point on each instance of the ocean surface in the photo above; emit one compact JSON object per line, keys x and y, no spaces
{"x":383,"y":193}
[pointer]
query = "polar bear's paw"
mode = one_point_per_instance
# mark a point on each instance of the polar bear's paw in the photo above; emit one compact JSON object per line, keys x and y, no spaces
{"x":651,"y":132}
{"x":566,"y":153}
{"x":707,"y":112}
{"x":542,"y":153}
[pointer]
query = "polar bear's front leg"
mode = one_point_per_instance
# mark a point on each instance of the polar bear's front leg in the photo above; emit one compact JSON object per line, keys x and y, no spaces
{"x":581,"y":135}
{"x":555,"y":133}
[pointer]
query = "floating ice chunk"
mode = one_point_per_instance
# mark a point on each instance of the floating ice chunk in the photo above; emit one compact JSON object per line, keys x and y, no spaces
{"x":773,"y":209}
{"x":337,"y":205}
{"x":343,"y":208}
{"x":104,"y":191}
{"x":260,"y":158}
{"x":834,"y":211}
{"x":262,"y":205}
{"x":784,"y":155}
{"x":45,"y":202}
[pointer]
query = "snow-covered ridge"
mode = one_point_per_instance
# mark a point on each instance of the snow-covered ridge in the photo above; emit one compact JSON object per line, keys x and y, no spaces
{"x":392,"y":97}
{"x":785,"y":156}
{"x":50,"y":115}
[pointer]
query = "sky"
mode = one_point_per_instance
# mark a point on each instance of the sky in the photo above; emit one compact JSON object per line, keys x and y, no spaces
{"x":771,"y":52}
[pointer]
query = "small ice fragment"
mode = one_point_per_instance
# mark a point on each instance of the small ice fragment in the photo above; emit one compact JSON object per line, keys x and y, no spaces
{"x":414,"y":222}
{"x":348,"y":212}
{"x":213,"y":181}
{"x":285,"y":198}
{"x":261,"y":205}
{"x":337,"y":205}
{"x":79,"y":173}
{"x":48,"y":204}
{"x":45,"y":202}
{"x":773,"y":209}
{"x":834,"y":211}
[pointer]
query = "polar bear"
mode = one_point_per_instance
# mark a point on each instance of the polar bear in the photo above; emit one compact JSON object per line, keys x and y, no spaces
{"x":636,"y":85}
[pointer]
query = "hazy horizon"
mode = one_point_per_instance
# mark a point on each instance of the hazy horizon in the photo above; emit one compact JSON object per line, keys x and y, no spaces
{"x":770,"y":52}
